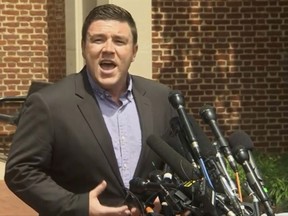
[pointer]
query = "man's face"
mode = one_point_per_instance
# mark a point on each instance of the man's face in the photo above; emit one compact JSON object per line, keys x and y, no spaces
{"x":108,"y":52}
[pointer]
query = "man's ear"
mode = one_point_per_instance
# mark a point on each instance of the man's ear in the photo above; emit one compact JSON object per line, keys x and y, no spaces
{"x":135,"y":49}
{"x":83,"y":48}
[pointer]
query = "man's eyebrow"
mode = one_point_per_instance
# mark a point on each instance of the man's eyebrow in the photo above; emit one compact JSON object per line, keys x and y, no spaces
{"x":95,"y":35}
{"x":120,"y":36}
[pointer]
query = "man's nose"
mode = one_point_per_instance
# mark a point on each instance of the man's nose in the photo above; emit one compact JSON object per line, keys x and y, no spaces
{"x":108,"y":46}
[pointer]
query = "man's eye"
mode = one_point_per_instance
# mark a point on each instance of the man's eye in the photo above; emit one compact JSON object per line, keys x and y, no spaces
{"x":97,"y":40}
{"x":120,"y":42}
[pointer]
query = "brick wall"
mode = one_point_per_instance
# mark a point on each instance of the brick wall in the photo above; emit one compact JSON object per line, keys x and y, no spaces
{"x":32,"y":47}
{"x":232,"y":55}
{"x":229,"y":54}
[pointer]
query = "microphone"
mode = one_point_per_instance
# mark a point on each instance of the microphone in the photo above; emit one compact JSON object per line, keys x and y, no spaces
{"x":240,"y":137}
{"x":139,"y":185}
{"x":222,"y":185}
{"x":161,"y":176}
{"x":156,"y":176}
{"x":242,"y":157}
{"x":181,"y":166}
{"x":186,"y":172}
{"x":171,"y":200}
{"x":222,"y":166}
{"x":208,"y":114}
{"x":172,"y":196}
{"x":255,"y":200}
{"x":177,"y":101}
{"x":221,"y":205}
{"x":203,"y":140}
{"x":183,"y":149}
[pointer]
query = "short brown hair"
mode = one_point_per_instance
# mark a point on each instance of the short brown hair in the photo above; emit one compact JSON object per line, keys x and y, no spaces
{"x":109,"y":12}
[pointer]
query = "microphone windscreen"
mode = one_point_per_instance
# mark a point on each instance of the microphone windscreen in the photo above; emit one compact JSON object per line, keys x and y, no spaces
{"x":176,"y":99}
{"x":207,"y":113}
{"x":182,"y":167}
{"x":240,"y":138}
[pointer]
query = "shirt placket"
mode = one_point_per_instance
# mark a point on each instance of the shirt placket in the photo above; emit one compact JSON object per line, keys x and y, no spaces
{"x":122,"y":121}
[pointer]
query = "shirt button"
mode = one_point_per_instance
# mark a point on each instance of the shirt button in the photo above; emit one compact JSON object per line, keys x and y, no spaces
{"x":122,"y":138}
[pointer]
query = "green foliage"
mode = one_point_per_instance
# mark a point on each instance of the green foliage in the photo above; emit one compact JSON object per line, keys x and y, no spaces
{"x":274,"y":169}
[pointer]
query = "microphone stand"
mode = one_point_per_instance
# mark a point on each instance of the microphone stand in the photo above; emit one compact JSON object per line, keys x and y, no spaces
{"x":224,"y":209}
{"x":220,"y":159}
{"x":254,"y":198}
{"x":242,"y":157}
{"x":165,"y":208}
{"x":226,"y":187}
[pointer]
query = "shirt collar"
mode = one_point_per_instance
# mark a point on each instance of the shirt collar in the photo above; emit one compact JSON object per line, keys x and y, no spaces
{"x":102,"y":93}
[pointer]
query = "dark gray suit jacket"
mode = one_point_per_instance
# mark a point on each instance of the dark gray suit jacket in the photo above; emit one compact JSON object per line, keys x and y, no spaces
{"x":62,"y":149}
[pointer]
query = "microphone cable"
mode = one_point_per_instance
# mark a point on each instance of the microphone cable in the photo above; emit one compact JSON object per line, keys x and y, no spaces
{"x":205,"y":173}
{"x":238,"y":186}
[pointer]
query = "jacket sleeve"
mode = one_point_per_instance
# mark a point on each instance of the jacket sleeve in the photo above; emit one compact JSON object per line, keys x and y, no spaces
{"x":29,"y":164}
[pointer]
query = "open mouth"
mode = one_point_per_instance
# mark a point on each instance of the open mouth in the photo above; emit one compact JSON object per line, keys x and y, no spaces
{"x":107,"y":65}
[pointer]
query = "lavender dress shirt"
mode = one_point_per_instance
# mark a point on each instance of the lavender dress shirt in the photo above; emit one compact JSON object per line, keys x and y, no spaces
{"x":124,"y":128}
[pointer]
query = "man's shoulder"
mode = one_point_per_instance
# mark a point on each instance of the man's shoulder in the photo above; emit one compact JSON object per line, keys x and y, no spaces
{"x":146,"y":83}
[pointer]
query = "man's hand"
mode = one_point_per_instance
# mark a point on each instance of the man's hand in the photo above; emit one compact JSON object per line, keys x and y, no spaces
{"x":96,"y":209}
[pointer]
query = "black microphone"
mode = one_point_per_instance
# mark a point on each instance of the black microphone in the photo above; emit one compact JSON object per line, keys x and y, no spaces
{"x":139,"y":185}
{"x":176,"y":99}
{"x":208,"y":114}
{"x":181,"y":166}
{"x":222,"y":185}
{"x":221,"y":162}
{"x":156,"y":176}
{"x":204,"y":143}
{"x":223,"y":207}
{"x":242,"y":157}
{"x":184,"y":148}
{"x":161,"y":176}
{"x":240,"y":137}
{"x":167,"y":198}
{"x":168,"y":203}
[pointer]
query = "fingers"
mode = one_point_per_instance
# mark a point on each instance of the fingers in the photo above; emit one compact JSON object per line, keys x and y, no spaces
{"x":157,"y":205}
{"x":95,"y":207}
{"x":135,"y":211}
{"x":99,"y":189}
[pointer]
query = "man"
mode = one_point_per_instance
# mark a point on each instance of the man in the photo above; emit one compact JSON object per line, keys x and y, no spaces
{"x":81,"y":140}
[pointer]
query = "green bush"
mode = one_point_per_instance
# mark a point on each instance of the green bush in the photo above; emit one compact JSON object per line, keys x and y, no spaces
{"x":274,"y":169}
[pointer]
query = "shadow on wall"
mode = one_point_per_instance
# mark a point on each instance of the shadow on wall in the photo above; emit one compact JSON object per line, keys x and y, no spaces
{"x":56,"y":40}
{"x":230,"y":55}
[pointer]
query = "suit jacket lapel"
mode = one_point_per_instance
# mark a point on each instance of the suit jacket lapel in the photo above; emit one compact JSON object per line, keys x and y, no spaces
{"x":146,"y":121}
{"x":93,"y":116}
